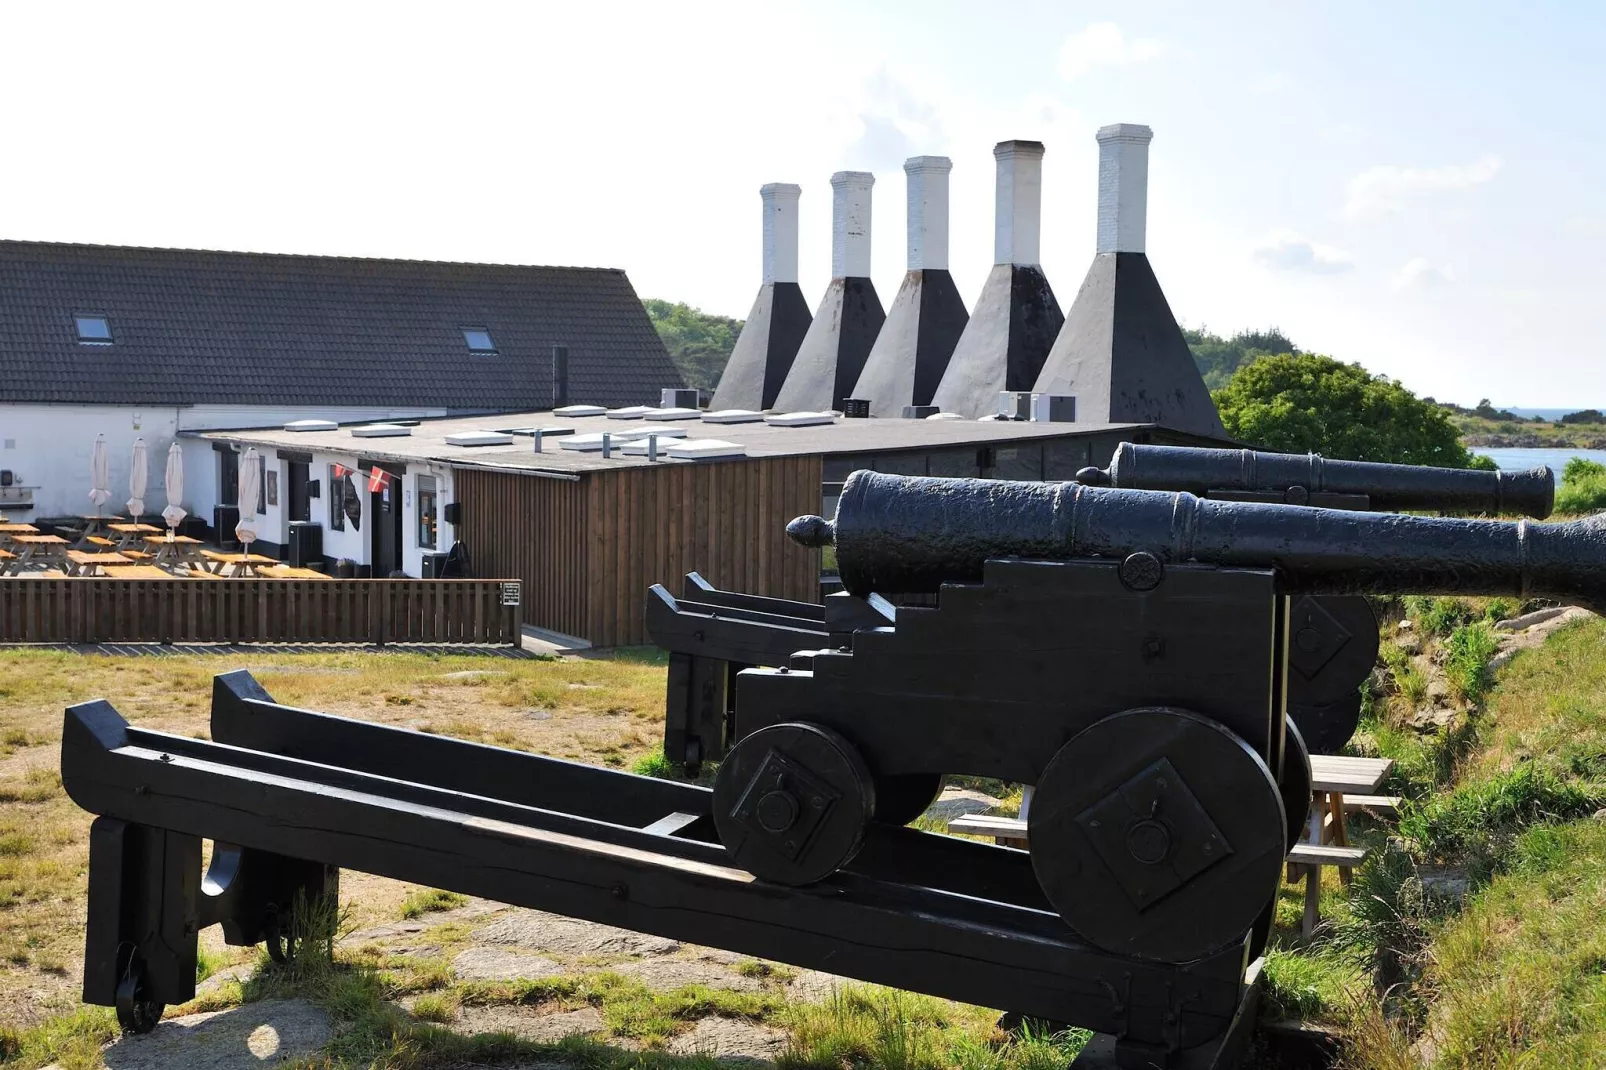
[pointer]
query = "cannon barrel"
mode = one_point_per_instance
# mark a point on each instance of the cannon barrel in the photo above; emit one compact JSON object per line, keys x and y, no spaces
{"x":908,"y":534}
{"x":1388,"y":486}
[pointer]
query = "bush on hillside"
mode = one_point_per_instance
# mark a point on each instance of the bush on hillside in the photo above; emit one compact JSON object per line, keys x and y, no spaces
{"x":1583,"y":487}
{"x":1306,"y":403}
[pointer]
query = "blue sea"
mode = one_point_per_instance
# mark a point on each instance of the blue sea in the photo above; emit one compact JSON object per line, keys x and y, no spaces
{"x":1548,"y":414}
{"x":1513,"y":460}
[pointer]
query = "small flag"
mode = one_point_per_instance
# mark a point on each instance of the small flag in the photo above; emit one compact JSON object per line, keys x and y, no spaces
{"x":341,"y":471}
{"x":377,"y":478}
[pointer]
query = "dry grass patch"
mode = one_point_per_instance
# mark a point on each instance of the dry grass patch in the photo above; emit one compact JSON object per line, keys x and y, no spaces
{"x":594,"y":709}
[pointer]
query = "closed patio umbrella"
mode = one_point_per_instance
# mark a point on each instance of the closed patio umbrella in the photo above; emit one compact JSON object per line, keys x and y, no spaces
{"x":173,"y":514}
{"x":100,"y":475}
{"x":250,"y":488}
{"x":138,"y":476}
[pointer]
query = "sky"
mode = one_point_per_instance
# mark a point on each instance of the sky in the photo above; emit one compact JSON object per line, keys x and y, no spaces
{"x":1416,"y":187}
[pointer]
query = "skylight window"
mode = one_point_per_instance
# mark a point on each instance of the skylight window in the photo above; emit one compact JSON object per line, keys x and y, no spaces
{"x":479,"y":340}
{"x":96,"y":330}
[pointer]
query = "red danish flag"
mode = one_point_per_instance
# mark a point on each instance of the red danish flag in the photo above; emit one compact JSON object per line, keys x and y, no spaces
{"x":377,"y":478}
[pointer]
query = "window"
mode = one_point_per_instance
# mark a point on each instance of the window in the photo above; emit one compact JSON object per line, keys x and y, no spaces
{"x":426,"y":512}
{"x":479,"y":340}
{"x":344,"y":501}
{"x":94,"y":330}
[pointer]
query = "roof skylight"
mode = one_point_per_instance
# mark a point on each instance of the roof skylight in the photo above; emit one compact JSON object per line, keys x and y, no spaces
{"x":479,"y":340}
{"x":95,"y":330}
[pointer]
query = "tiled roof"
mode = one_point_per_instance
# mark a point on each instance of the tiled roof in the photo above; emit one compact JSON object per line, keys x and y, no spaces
{"x":193,"y":327}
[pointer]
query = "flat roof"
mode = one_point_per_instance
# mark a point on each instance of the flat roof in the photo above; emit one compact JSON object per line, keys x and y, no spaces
{"x":427,"y":441}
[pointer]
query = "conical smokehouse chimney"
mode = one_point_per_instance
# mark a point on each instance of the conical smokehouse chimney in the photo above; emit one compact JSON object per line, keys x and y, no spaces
{"x":927,"y":316}
{"x":780,"y":317}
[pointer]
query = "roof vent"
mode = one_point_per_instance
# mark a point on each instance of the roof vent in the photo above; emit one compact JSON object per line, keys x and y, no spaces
{"x":381,"y":431}
{"x":479,"y":438}
{"x":573,"y":411}
{"x":732,"y":416}
{"x":1054,"y":408}
{"x":629,"y":412}
{"x":706,"y":449}
{"x":799,"y":419}
{"x":679,"y":397}
{"x":312,"y":425}
{"x":673,"y":413}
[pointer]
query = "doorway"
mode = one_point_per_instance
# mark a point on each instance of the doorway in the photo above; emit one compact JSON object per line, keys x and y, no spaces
{"x":300,"y":502}
{"x":386,"y":509}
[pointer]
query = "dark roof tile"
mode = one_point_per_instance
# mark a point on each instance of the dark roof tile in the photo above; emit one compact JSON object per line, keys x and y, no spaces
{"x":197,"y":327}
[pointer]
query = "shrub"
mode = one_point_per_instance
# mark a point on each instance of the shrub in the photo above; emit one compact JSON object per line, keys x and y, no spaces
{"x":1583,"y":487}
{"x":654,"y":765}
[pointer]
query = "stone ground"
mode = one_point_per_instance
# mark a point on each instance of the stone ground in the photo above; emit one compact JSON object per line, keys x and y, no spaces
{"x":503,"y":943}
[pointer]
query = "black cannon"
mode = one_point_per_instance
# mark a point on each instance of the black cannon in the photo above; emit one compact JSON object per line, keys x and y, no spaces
{"x":1310,"y":479}
{"x":1325,"y":697}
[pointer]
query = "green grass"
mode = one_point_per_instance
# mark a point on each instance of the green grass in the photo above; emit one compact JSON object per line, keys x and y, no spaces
{"x":421,"y":901}
{"x":881,"y":1028}
{"x":1467,"y":651}
{"x":1517,"y":979}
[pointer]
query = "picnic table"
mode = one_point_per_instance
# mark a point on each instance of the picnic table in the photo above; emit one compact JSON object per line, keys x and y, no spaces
{"x":216,"y":562}
{"x":137,"y":571}
{"x":6,"y":557}
{"x":11,"y":531}
{"x":290,"y":572}
{"x":90,"y":528}
{"x":127,"y":533}
{"x":171,"y":549}
{"x":87,"y":563}
{"x":46,"y":548}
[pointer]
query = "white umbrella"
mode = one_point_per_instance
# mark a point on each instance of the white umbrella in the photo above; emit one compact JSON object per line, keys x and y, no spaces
{"x":250,"y":488}
{"x":100,"y":472}
{"x":174,"y":482}
{"x":138,"y":475}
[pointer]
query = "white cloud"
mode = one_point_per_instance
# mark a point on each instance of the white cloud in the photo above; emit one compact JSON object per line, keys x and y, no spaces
{"x":1268,"y":84}
{"x":1385,"y":189}
{"x":1102,"y":44}
{"x":1287,"y":251}
{"x":1420,"y":274}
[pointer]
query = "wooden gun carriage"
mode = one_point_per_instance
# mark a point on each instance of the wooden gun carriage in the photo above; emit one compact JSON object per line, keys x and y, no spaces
{"x":1124,"y":651}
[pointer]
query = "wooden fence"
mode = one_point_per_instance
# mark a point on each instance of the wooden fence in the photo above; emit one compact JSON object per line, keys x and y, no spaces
{"x":99,"y":610}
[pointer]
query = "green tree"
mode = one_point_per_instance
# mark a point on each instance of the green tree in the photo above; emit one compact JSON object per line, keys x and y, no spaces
{"x":1219,"y":358}
{"x":1298,"y":403}
{"x":698,"y":342}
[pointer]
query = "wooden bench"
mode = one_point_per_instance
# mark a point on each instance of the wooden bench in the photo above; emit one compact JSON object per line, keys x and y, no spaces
{"x":1310,"y":858}
{"x":1005,"y":831}
{"x":1376,"y":805}
{"x":102,"y":542}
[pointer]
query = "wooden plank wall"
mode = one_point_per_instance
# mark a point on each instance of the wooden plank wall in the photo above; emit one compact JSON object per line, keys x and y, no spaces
{"x":587,"y":551}
{"x":104,"y":610}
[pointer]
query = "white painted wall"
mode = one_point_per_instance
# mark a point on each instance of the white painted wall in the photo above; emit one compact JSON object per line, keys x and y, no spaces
{"x":47,"y":448}
{"x":445,"y":535}
{"x":354,"y":542}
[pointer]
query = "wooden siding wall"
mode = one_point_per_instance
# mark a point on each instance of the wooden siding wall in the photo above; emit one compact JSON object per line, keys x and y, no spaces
{"x":587,"y":551}
{"x":105,"y":610}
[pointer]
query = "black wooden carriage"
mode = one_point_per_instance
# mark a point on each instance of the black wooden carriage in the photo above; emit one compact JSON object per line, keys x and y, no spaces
{"x":1128,"y":652}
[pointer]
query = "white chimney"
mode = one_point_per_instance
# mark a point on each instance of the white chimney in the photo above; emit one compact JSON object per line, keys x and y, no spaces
{"x":1123,"y":187}
{"x":1018,"y":225}
{"x":928,"y":211}
{"x":850,"y":224}
{"x":780,"y":231}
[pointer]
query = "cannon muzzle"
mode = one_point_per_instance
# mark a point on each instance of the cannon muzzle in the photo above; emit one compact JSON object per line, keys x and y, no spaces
{"x":1297,"y":477}
{"x":908,"y":534}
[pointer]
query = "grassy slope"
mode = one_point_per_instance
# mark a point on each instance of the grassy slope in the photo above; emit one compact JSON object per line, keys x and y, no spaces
{"x":1513,"y":974}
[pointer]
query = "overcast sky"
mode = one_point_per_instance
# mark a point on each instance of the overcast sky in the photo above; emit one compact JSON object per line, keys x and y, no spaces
{"x":1417,"y":187}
